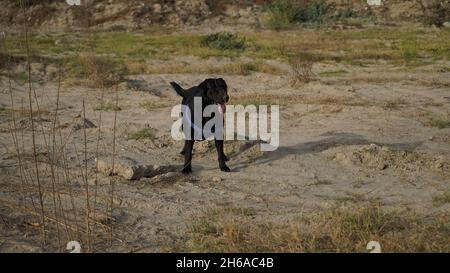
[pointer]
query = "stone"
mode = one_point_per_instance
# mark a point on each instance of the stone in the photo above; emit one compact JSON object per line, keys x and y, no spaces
{"x":80,"y":125}
{"x":139,"y":85}
{"x":157,"y":8}
{"x":374,"y":2}
{"x":130,"y":169}
{"x":217,"y":179}
{"x":51,"y":71}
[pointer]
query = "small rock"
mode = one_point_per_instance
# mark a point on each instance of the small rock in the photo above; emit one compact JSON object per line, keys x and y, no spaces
{"x":339,"y":156}
{"x":86,"y":124}
{"x":440,"y":161}
{"x":157,"y":8}
{"x":217,"y":179}
{"x":351,"y":89}
{"x":373,"y":147}
{"x":51,"y":71}
{"x":431,"y":138}
{"x":37,"y":67}
{"x":382,"y":166}
{"x":446,"y":24}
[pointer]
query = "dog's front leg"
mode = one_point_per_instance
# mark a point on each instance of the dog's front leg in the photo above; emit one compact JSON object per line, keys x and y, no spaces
{"x":221,"y":155}
{"x":188,"y":146}
{"x":184,"y":149}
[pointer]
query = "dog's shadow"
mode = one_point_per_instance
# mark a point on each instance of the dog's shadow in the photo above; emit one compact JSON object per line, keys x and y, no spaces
{"x":331,"y":140}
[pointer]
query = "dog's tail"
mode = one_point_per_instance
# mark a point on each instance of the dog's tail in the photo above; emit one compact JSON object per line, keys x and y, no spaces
{"x":178,"y":89}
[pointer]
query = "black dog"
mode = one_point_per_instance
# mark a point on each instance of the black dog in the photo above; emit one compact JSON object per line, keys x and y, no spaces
{"x":211,"y":91}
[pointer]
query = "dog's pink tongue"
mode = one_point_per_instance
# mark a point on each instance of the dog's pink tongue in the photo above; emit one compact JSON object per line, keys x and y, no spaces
{"x":222,"y":108}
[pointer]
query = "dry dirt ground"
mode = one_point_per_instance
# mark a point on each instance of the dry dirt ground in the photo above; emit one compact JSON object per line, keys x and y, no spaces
{"x":361,"y":137}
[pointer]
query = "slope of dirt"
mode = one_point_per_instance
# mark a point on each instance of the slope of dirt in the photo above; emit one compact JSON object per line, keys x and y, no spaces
{"x":120,"y":14}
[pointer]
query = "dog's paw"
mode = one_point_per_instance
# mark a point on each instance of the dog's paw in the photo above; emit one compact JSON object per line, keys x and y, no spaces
{"x":187,"y":170}
{"x":225,"y":168}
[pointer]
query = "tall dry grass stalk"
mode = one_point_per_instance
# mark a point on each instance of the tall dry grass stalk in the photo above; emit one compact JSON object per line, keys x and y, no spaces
{"x":52,"y":188}
{"x":88,"y":227}
{"x":113,"y":166}
{"x":301,"y":69}
{"x":97,"y":145}
{"x":51,"y":158}
{"x":13,"y":125}
{"x":30,"y":87}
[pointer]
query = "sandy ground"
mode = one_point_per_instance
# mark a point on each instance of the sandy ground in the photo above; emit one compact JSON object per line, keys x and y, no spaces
{"x":353,"y":138}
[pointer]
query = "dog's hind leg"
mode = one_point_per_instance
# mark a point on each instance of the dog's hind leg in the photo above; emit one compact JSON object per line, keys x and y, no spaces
{"x":221,"y":155}
{"x":188,"y":146}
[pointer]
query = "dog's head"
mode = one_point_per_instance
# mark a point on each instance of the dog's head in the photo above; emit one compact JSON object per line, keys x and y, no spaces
{"x":216,"y":91}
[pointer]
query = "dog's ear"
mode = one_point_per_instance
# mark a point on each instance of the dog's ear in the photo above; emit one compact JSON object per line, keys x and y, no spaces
{"x":208,"y":88}
{"x":206,"y":85}
{"x":222,"y":82}
{"x":210,"y":84}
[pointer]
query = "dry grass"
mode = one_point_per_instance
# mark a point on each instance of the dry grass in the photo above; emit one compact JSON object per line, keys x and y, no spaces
{"x":369,"y":45}
{"x":145,"y":133}
{"x":97,"y":71}
{"x":345,"y":229}
{"x":437,"y":121}
{"x":22,"y":113}
{"x":54,"y":193}
{"x":301,"y":69}
{"x":254,"y":98}
{"x":262,"y":99}
{"x":107,"y":106}
{"x":334,"y":73}
{"x":235,"y":68}
{"x":394,"y":104}
{"x":442,"y":199}
{"x":151,"y":105}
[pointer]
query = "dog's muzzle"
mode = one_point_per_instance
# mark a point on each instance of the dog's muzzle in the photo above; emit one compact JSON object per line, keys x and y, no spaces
{"x":222,"y":108}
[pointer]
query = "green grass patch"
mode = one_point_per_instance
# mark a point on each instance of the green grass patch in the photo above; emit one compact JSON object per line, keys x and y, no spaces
{"x":439,"y":122}
{"x":260,"y":99}
{"x":107,"y":106}
{"x":393,"y":104}
{"x":99,"y":55}
{"x":335,"y":73}
{"x":442,"y":199}
{"x":223,"y":41}
{"x":296,"y":12}
{"x":145,"y":133}
{"x":150,"y":105}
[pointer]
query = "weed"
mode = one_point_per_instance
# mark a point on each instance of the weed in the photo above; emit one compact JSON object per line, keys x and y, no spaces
{"x":301,"y":66}
{"x":334,"y":73}
{"x":99,"y":71}
{"x":393,"y":104}
{"x":343,"y":229}
{"x":442,"y":199}
{"x":439,"y":122}
{"x":223,"y":41}
{"x":150,"y":105}
{"x":107,"y":106}
{"x":145,"y":133}
{"x":283,"y":13}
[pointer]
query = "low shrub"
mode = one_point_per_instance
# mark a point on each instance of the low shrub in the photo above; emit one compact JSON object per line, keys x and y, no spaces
{"x":223,"y":41}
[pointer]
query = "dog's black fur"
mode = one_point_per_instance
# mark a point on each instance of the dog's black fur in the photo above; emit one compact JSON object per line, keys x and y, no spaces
{"x":211,"y":91}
